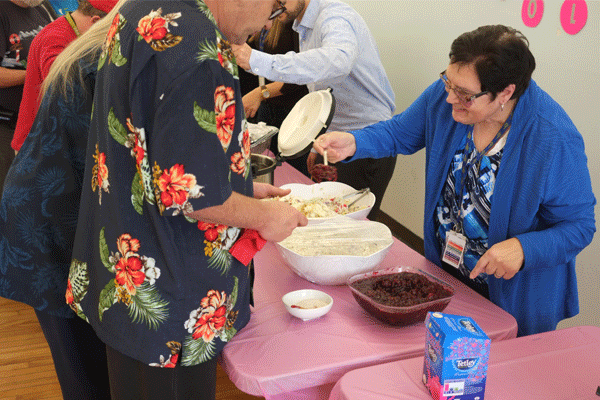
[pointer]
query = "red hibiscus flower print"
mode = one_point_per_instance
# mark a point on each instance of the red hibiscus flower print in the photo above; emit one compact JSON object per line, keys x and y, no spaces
{"x":211,"y":231}
{"x":136,"y":142}
{"x":102,"y":169}
{"x":213,"y":299}
{"x":213,"y":316}
{"x":138,"y":151}
{"x":225,"y":55}
{"x":110,"y":47}
{"x":246,"y":144}
{"x":174,"y":185}
{"x":210,"y":319}
{"x":69,"y":294}
{"x":129,"y":268}
{"x":112,"y":31}
{"x":130,"y":273}
{"x":172,"y":361}
{"x":152,"y":28}
{"x":127,"y":245}
{"x":209,"y":323}
{"x":238,"y":163}
{"x":225,"y":114}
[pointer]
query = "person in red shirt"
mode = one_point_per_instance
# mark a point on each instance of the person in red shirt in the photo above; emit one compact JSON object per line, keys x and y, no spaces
{"x":46,"y":46}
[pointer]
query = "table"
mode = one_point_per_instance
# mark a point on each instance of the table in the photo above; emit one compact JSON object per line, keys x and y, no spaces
{"x":557,"y":365}
{"x":279,"y":356}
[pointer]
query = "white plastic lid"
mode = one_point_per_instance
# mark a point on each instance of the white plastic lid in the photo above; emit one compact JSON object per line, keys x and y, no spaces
{"x":310,"y":116}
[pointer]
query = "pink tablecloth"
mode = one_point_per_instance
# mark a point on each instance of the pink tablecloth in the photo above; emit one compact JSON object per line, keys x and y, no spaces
{"x":558,"y":365}
{"x":279,"y":356}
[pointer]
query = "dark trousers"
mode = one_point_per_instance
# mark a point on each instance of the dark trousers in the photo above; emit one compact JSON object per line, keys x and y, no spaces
{"x":131,"y":379}
{"x":79,"y":357}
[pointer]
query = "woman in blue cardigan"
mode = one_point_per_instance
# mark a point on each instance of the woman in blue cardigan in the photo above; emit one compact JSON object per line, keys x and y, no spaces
{"x":508,"y":198}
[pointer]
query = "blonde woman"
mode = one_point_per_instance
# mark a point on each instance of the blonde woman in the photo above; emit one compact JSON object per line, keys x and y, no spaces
{"x":39,"y":212}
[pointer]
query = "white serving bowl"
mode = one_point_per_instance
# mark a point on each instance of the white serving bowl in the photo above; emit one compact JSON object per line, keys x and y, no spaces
{"x":294,"y":301}
{"x":331,"y":252}
{"x":328,"y":190}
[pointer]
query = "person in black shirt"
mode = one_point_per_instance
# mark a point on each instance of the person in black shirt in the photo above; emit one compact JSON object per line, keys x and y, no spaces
{"x":20,"y":22}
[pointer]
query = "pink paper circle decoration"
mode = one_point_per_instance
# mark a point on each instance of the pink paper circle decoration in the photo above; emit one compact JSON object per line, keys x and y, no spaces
{"x":573,"y":15}
{"x":532,"y":12}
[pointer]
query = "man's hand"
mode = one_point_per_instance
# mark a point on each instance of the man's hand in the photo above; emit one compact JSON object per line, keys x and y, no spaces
{"x":252,"y":101}
{"x":274,"y":220}
{"x":264,"y":190}
{"x":503,"y":260}
{"x":242,"y":55}
{"x":280,"y":220}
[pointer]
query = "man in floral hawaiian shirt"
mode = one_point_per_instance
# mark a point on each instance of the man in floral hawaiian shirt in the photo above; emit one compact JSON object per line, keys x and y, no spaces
{"x":169,"y":197}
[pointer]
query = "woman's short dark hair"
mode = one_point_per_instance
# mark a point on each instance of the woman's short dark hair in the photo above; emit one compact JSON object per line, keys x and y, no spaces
{"x":86,"y":8}
{"x":500,"y":55}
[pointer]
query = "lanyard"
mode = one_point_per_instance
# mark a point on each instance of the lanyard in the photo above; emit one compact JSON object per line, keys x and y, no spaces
{"x":261,"y":47}
{"x":69,"y":18}
{"x":261,"y":39}
{"x":458,"y":224}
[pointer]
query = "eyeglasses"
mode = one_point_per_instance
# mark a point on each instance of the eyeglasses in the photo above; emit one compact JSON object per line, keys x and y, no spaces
{"x":280,"y":10}
{"x":464,"y":98}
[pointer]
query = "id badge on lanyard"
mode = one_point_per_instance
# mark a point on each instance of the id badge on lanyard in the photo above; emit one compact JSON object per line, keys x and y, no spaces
{"x":456,"y":242}
{"x":454,"y":250}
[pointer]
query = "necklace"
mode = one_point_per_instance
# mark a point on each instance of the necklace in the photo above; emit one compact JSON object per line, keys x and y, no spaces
{"x":476,"y":161}
{"x":71,"y":21}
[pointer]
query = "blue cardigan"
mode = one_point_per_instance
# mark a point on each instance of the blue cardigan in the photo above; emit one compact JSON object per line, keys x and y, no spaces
{"x":543,"y":195}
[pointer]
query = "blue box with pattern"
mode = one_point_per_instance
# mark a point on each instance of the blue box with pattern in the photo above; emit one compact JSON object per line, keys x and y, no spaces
{"x":457,"y":354}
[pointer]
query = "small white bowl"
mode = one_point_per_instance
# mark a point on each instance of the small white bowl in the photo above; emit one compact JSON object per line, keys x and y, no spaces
{"x":296,"y":301}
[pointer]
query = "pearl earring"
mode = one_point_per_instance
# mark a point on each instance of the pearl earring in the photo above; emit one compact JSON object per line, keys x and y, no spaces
{"x":502,"y":107}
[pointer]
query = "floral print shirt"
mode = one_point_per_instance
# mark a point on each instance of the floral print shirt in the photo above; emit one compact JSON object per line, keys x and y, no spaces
{"x":167,"y":137}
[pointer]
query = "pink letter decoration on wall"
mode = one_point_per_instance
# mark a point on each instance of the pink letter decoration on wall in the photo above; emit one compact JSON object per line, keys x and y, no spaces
{"x":532,"y":12}
{"x":573,"y":15}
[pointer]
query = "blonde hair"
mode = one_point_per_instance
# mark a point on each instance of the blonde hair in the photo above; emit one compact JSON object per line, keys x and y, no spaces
{"x":65,"y":68}
{"x":273,"y":35}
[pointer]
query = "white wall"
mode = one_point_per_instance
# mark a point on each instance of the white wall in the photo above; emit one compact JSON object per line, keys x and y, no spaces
{"x":414,"y":39}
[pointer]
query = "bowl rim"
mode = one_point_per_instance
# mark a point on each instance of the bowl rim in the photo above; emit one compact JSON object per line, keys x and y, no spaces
{"x":326,"y":256}
{"x":317,"y":292}
{"x":327,"y":183}
{"x":395,"y":270}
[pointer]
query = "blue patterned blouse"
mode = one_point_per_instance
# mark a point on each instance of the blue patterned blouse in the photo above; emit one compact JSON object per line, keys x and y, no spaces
{"x":475,"y":203}
{"x":40,"y":202}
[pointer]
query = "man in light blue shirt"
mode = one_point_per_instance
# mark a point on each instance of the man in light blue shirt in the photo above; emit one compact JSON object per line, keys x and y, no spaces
{"x":337,"y":50}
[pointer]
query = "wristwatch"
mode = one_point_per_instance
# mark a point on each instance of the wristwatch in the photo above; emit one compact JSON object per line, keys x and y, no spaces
{"x":265,"y":92}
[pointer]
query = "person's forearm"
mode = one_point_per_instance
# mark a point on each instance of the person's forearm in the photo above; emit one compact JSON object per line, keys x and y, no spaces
{"x":273,"y":220}
{"x":330,"y":64}
{"x":238,"y":210}
{"x":274,"y":89}
{"x":11,"y":77}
